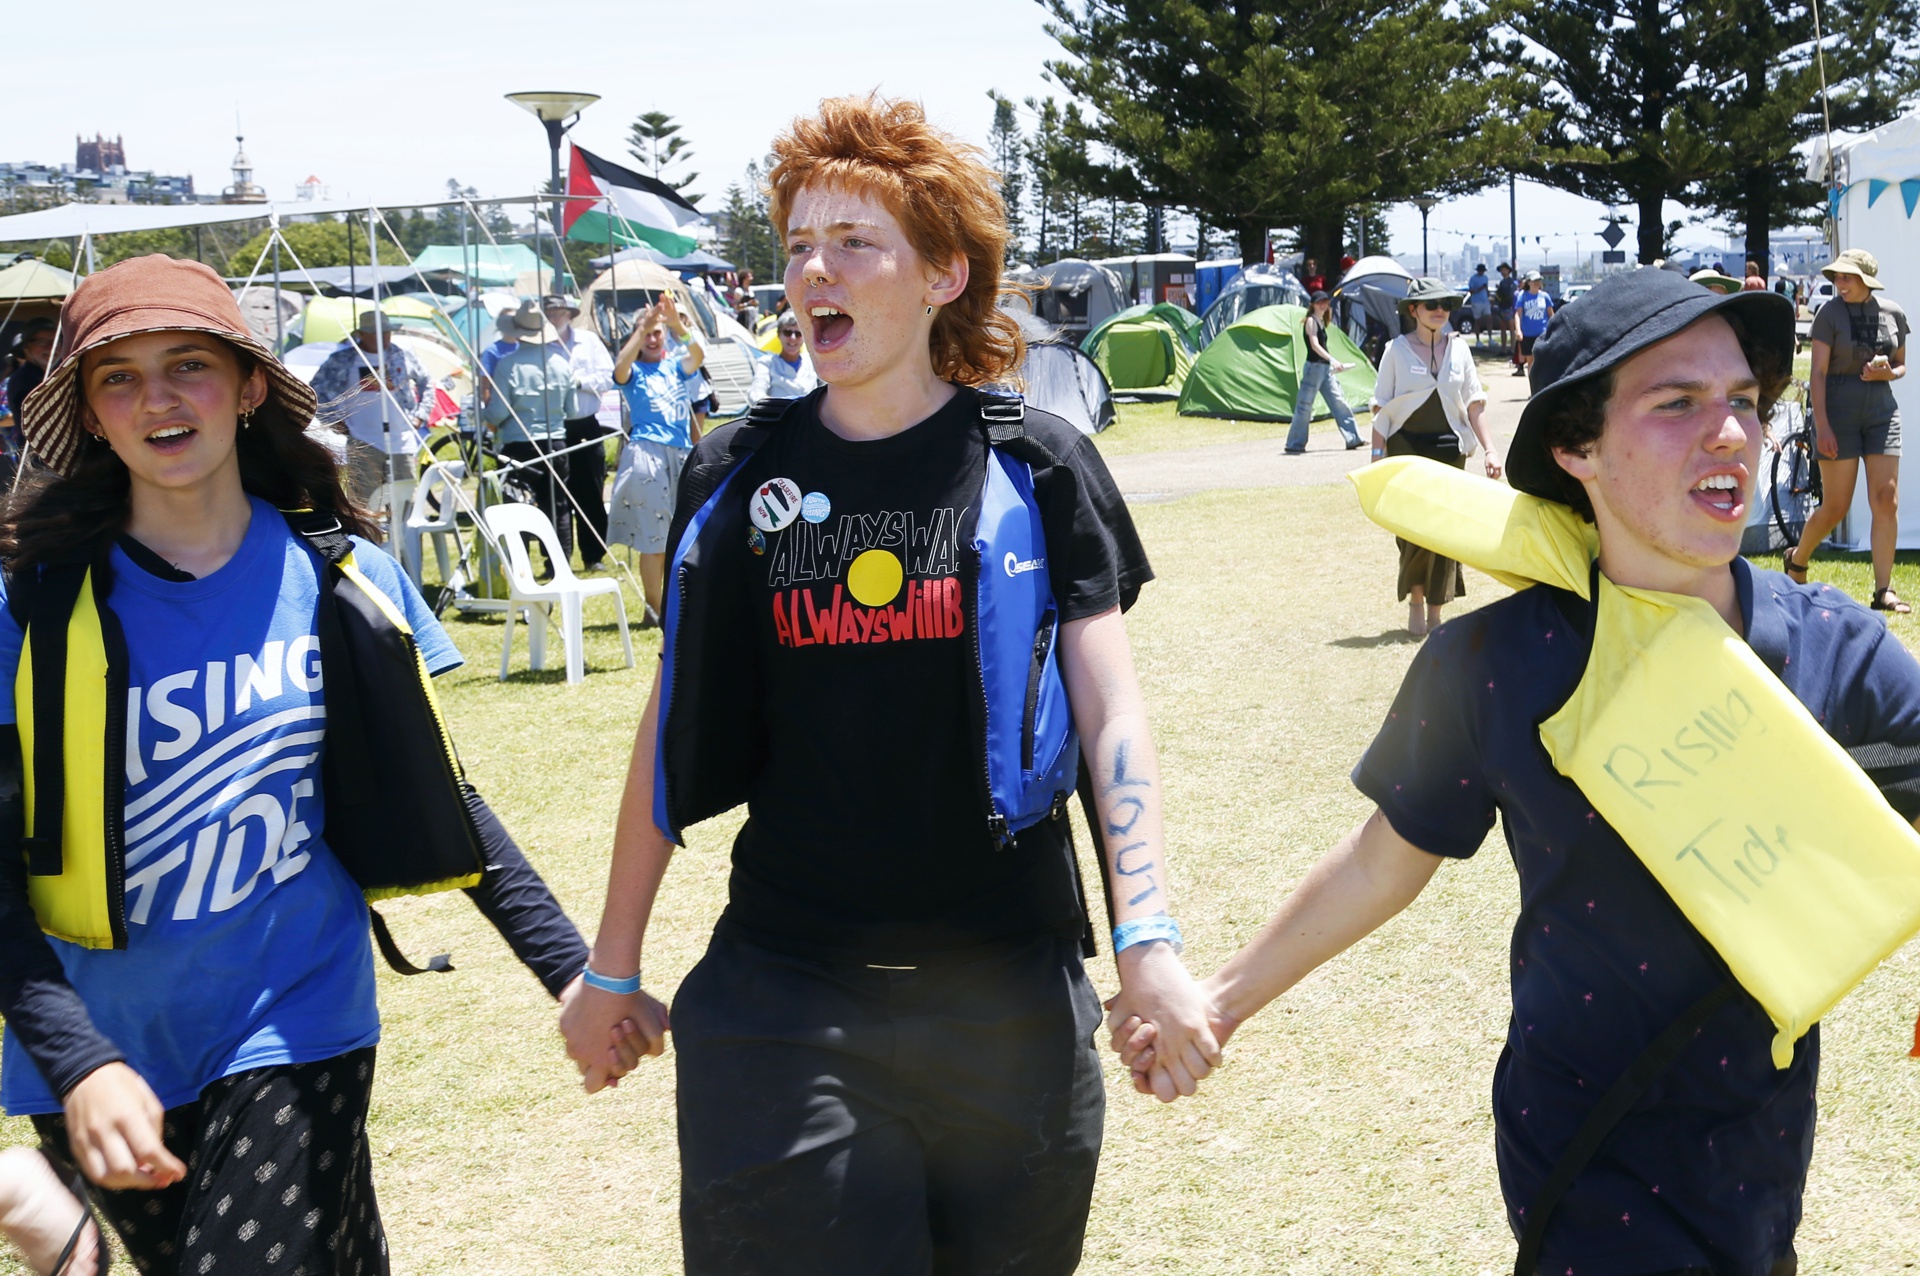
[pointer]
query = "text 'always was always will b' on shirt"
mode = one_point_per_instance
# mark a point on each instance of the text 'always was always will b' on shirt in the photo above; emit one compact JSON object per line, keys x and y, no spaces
{"x":867,"y":834}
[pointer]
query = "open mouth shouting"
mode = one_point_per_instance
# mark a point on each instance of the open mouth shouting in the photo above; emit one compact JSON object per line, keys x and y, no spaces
{"x":831,"y":327}
{"x":171,"y":439}
{"x":1722,"y":495}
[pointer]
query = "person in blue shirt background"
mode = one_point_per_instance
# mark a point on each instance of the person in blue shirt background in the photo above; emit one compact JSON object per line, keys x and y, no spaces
{"x":1480,"y":301}
{"x":657,"y":377}
{"x":235,"y":1029}
{"x":1533,"y":309}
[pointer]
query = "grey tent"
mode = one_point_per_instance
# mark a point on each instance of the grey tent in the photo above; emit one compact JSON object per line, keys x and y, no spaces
{"x":1367,"y":302}
{"x":1058,"y":378}
{"x":1252,"y":289}
{"x":1072,"y":295}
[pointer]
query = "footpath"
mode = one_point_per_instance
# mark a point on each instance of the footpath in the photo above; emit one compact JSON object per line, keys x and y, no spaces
{"x":1167,"y":476}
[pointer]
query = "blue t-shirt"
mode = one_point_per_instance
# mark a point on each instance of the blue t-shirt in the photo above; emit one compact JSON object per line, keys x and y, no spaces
{"x":660,"y":399}
{"x":246,"y":939}
{"x":1708,"y":1168}
{"x":1477,"y":287}
{"x":1534,"y":309}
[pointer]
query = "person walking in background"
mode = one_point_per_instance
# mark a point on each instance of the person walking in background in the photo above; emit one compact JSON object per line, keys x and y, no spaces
{"x":379,"y":443}
{"x":1532,"y":311}
{"x":594,"y":415}
{"x":1755,"y":280}
{"x":658,"y":378}
{"x":1319,"y":375}
{"x":528,"y":416}
{"x":1428,"y":401}
{"x":1310,"y":277}
{"x":1480,"y":301}
{"x":1859,"y":350}
{"x":31,"y":350}
{"x":1504,"y":295}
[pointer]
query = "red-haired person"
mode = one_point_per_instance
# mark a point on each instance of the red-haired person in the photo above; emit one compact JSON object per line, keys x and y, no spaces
{"x":893,"y":627}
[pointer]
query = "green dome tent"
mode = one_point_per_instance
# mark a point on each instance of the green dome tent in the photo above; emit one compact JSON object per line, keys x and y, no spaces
{"x":1145,"y":350}
{"x":1251,"y":371}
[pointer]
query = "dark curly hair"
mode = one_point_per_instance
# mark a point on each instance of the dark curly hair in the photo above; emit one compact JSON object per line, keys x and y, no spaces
{"x":1579,"y":412}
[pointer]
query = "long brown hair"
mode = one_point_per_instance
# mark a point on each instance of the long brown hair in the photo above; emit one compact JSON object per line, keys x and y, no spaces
{"x":49,"y":516}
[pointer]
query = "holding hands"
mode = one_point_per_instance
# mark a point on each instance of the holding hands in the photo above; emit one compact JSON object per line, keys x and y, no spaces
{"x":1166,"y":1026}
{"x":607,"y":1034}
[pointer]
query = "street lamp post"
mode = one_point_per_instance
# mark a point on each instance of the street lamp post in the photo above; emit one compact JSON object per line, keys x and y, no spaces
{"x":1425,"y":204}
{"x":557,"y":111}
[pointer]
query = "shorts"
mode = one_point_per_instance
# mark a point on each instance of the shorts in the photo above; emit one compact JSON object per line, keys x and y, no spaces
{"x":367,"y":469}
{"x":1526,"y":345}
{"x":644,"y":489}
{"x":1482,"y":310}
{"x":1864,"y":417}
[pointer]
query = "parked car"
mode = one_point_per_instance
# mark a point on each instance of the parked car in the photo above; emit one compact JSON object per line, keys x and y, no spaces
{"x":1573,"y":292}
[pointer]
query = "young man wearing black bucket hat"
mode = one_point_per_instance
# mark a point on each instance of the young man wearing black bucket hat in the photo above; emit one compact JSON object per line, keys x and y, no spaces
{"x":1646,"y":419}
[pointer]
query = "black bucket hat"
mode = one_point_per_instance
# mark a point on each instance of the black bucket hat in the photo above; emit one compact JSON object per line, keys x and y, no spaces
{"x":1621,"y":317}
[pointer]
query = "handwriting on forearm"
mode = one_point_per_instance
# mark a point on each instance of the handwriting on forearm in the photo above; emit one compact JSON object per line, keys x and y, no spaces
{"x":1134,"y":860}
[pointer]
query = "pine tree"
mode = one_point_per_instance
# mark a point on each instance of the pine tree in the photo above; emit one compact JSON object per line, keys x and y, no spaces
{"x":1269,"y":113}
{"x":655,"y":143}
{"x":1008,"y":149}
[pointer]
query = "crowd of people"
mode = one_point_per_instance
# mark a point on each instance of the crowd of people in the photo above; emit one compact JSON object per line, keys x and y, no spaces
{"x":888,"y":1057}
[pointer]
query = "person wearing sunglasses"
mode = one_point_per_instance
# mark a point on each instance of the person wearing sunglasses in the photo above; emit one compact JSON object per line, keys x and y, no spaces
{"x":787,"y":373}
{"x":1427,"y":401}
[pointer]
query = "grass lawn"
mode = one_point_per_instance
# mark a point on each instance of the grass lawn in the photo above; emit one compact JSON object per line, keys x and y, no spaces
{"x":1156,"y":427}
{"x":1350,"y":1130}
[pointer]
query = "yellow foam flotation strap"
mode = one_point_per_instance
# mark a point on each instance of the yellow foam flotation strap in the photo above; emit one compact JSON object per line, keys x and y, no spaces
{"x":73,"y":904}
{"x":1680,"y":736}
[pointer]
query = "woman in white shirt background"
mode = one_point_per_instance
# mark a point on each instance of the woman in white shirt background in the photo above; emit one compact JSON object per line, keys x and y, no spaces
{"x":1428,"y":401}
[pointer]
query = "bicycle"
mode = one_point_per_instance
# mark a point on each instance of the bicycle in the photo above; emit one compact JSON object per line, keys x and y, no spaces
{"x":1795,"y":472}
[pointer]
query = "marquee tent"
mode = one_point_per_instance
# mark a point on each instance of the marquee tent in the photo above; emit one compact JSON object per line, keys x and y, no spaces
{"x":1145,"y":351}
{"x":1253,"y":288}
{"x":31,"y":289}
{"x":1874,"y":196}
{"x":491,"y":264}
{"x":1251,"y":372}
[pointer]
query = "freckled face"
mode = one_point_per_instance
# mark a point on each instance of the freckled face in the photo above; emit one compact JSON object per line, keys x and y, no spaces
{"x":1672,"y":472}
{"x":859,"y":286}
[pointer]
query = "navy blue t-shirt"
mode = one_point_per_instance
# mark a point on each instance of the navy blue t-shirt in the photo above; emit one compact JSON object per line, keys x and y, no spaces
{"x":1708,"y":1168}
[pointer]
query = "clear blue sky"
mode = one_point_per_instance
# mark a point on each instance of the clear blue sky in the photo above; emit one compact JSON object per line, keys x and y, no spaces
{"x":387,"y":101}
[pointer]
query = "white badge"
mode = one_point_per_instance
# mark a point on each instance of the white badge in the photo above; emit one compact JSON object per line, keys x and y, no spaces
{"x":774,"y":504}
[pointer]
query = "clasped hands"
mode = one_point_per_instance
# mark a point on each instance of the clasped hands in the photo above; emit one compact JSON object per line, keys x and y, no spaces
{"x":608,"y":1034}
{"x":1167,"y":1027}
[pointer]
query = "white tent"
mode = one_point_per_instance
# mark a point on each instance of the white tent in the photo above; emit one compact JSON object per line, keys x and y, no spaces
{"x":1876,"y":185}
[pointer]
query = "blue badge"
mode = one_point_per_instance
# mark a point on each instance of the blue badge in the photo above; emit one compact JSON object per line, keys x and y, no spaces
{"x":816,"y":507}
{"x":756,"y":540}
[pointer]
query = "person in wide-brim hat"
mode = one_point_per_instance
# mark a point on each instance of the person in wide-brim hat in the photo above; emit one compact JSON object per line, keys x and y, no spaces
{"x":529,"y":324}
{"x":1425,"y":290}
{"x":1856,"y":261}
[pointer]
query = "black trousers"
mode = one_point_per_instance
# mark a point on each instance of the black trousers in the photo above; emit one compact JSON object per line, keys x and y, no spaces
{"x":587,"y":481}
{"x":547,"y":481}
{"x":279,"y":1178}
{"x":839,"y":1118}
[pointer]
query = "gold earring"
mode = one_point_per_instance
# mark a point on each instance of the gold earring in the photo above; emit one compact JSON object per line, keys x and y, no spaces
{"x":246,"y":419}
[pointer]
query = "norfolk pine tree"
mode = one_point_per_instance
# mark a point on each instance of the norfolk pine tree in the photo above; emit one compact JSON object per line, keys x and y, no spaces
{"x":1275,"y":113}
{"x":655,"y":143}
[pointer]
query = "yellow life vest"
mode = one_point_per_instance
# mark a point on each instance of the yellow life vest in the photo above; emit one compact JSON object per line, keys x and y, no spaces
{"x":396,"y":809}
{"x":1678,"y":735}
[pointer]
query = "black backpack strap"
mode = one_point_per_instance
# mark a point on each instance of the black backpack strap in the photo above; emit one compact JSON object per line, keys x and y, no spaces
{"x":1613,"y":1105}
{"x":49,"y":600}
{"x":323,"y":531}
{"x":347,"y":753}
{"x":1004,"y":416}
{"x":439,"y":964}
{"x":773,"y":411}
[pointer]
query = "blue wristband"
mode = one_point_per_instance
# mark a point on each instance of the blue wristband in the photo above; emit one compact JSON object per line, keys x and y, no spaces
{"x":1145,"y":930}
{"x":619,"y":987}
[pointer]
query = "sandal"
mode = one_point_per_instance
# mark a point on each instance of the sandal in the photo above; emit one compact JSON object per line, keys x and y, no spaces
{"x":1887,"y":600}
{"x":103,"y":1257}
{"x":1796,"y":572}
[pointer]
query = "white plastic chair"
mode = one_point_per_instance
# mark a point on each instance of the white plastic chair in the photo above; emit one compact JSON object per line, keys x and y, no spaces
{"x":510,"y":525}
{"x":421,"y":522}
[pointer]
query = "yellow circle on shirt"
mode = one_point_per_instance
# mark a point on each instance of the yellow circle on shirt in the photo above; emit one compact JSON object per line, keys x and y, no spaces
{"x":875,"y":578}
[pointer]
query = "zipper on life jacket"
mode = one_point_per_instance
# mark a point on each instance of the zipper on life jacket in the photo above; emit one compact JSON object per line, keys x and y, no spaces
{"x":1042,"y":645}
{"x":997,"y":826}
{"x":115,"y":762}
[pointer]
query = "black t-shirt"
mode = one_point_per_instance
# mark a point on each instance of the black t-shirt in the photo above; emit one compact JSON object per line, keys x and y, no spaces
{"x":867,"y":834}
{"x":1313,"y":327}
{"x":1708,"y":1168}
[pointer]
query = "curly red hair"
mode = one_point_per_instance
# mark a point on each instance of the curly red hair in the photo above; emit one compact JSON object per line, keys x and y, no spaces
{"x":946,"y":198}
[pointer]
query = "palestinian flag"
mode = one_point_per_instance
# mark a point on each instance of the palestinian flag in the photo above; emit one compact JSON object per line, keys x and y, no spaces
{"x":625,"y":208}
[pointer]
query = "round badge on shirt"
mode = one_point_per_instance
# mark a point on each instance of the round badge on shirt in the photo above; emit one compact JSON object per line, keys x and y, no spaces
{"x":816,"y":507}
{"x":775,"y":504}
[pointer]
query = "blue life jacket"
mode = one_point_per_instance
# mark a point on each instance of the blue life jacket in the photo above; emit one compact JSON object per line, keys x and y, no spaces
{"x":708,"y":747}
